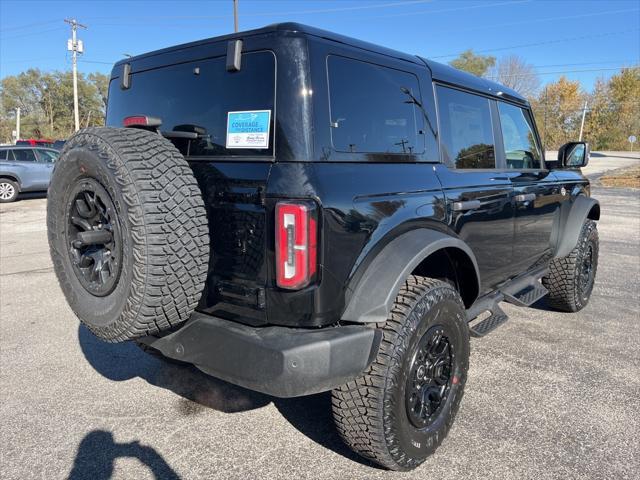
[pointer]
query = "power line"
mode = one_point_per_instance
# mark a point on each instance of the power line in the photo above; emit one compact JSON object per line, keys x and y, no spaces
{"x":273,"y":13}
{"x":31,"y":33}
{"x":455,"y":9}
{"x":624,"y":62}
{"x":547,"y":19}
{"x":29,"y":25}
{"x":494,"y":77}
{"x":96,"y":61}
{"x":547,"y":42}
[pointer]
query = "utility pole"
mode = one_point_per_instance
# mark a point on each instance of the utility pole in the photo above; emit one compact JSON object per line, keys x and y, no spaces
{"x":17,"y":124}
{"x":544,"y":133}
{"x":235,"y":15}
{"x":584,"y":114}
{"x":76,"y":47}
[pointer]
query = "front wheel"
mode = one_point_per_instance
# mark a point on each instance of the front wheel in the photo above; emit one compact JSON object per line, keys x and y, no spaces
{"x":570,"y":279}
{"x":401,"y":409}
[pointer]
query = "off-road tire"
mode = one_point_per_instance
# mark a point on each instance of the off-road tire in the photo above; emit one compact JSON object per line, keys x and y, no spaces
{"x":161,"y":223}
{"x":370,"y":412}
{"x":10,"y":184}
{"x":566,"y":291}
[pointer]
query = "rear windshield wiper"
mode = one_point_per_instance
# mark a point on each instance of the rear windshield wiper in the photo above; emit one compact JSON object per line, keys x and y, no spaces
{"x":179,"y":134}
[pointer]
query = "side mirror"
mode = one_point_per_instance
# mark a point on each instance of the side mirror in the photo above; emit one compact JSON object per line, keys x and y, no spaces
{"x":573,"y":155}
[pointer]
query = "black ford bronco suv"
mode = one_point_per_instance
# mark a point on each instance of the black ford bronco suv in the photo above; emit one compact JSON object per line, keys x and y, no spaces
{"x":295,"y":211}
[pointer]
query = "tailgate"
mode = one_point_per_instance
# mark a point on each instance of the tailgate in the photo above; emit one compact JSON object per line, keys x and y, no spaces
{"x":233,"y":193}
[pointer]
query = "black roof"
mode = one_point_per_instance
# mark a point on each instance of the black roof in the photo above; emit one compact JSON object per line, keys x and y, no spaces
{"x":439,"y":71}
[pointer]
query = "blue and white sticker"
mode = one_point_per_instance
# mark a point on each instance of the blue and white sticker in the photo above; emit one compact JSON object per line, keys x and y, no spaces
{"x":248,"y":129}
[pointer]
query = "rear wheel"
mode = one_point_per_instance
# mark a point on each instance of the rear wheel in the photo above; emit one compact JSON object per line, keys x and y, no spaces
{"x":8,"y":190}
{"x":128,"y":232}
{"x":401,"y":409}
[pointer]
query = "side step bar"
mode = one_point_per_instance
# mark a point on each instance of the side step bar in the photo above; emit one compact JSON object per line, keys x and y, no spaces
{"x":489,"y":324}
{"x":527,"y":296}
{"x":522,"y":291}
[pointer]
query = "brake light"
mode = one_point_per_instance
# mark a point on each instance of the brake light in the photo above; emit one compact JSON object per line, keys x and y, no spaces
{"x":141,"y":121}
{"x":296,"y":244}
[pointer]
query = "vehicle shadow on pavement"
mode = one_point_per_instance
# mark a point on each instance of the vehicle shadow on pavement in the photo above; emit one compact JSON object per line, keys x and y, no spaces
{"x":98,"y":451}
{"x":124,"y":361}
{"x":310,"y":415}
{"x":31,"y":195}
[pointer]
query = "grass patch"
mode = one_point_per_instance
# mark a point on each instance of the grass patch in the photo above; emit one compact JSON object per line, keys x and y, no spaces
{"x":624,"y":178}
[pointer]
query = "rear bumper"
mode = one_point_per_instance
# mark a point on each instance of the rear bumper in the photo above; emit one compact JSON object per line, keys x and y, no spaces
{"x":279,"y":361}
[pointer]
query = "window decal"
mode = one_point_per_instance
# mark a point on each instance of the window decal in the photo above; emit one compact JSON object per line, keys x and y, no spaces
{"x":248,"y":129}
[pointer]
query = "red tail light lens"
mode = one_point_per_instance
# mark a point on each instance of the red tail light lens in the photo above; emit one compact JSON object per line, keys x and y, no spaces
{"x":141,"y":121}
{"x":296,"y":244}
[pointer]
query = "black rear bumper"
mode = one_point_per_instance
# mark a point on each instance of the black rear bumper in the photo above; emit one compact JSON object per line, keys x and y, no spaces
{"x":279,"y":361}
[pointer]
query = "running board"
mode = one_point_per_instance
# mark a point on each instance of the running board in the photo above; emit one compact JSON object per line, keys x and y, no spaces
{"x":527,"y":296}
{"x":522,"y":291}
{"x":481,"y":328}
{"x":526,"y":290}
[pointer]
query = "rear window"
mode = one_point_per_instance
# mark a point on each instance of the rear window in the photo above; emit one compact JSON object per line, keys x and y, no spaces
{"x":198,"y":96}
{"x":373,"y":108}
{"x":466,"y":131}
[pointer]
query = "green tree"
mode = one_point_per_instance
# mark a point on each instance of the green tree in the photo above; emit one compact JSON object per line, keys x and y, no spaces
{"x":46,"y":103}
{"x":101,"y":82}
{"x":472,"y":63}
{"x":558,"y":110}
{"x":625,"y":103}
{"x":614,"y":111}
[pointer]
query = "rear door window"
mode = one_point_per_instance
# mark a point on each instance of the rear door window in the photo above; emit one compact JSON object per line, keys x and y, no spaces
{"x":520,"y":144}
{"x":196,"y":97}
{"x":466,"y":132}
{"x":374,"y":109}
{"x":24,"y":155}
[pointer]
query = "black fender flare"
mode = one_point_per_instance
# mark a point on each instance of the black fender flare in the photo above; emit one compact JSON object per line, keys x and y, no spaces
{"x":572,"y":218}
{"x":372,"y":298}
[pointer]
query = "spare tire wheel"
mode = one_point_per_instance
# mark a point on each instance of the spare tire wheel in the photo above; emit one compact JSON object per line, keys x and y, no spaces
{"x":128,"y":232}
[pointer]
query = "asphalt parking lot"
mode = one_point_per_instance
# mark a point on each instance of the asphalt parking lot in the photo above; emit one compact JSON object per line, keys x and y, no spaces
{"x":550,"y":395}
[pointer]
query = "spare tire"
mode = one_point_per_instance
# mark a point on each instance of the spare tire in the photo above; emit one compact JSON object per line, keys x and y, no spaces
{"x":128,"y":232}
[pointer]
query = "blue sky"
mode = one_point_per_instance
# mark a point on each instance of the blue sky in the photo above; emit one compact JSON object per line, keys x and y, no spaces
{"x":585,"y":39}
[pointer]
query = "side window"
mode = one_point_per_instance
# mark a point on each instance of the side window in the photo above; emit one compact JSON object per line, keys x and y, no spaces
{"x":374,"y":109}
{"x":47,"y":156}
{"x":3,"y":154}
{"x":466,"y":132}
{"x":520,"y":145}
{"x":24,"y":155}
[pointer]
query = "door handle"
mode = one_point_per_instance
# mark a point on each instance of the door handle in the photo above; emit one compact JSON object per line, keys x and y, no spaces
{"x":467,"y":205}
{"x":525,"y":197}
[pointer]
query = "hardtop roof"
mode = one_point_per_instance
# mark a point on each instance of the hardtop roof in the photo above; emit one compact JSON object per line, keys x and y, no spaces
{"x":439,"y":71}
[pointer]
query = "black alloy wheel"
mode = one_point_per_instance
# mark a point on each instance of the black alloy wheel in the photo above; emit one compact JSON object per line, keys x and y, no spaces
{"x":93,"y":237}
{"x":430,"y":377}
{"x":586,"y":271}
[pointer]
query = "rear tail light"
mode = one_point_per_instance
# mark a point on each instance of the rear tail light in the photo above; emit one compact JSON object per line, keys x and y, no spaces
{"x":296,"y":244}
